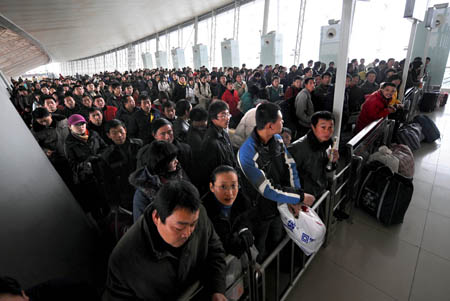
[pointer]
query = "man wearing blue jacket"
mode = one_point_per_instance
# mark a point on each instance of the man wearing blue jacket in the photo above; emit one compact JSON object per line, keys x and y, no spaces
{"x":272,"y":172}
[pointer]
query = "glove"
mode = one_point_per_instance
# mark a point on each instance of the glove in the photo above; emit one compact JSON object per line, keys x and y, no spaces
{"x":247,"y":239}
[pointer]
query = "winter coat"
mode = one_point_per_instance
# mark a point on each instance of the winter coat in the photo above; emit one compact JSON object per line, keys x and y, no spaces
{"x":109,"y":113}
{"x":119,"y":162}
{"x":52,"y":137}
{"x":375,"y":107}
{"x":179,"y":92}
{"x":79,"y":153}
{"x":311,"y":159}
{"x":114,"y":101}
{"x":163,"y":86}
{"x":228,"y":227}
{"x":356,"y":98}
{"x":69,"y":112}
{"x":304,"y":108}
{"x":275,"y":94}
{"x":140,"y":125}
{"x":272,"y":172}
{"x":125,"y":115}
{"x":368,"y":88}
{"x":180,"y":128}
{"x":231,"y":97}
{"x":203,"y":94}
{"x":247,"y":102}
{"x":291,"y":92}
{"x":244,"y":128}
{"x":239,"y":87}
{"x":141,"y":267}
{"x":147,"y":185}
{"x":216,"y":150}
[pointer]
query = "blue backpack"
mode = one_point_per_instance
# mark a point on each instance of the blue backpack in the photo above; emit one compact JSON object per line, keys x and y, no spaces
{"x":429,"y":128}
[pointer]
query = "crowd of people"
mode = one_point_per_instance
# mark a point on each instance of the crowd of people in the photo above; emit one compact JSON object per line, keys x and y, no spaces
{"x":200,"y":158}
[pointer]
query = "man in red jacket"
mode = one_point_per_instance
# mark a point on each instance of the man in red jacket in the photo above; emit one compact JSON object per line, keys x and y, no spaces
{"x":376,"y":106}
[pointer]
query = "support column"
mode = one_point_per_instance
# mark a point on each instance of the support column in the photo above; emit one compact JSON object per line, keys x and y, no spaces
{"x":195,"y":30}
{"x":131,"y":57}
{"x":266,"y":17}
{"x":401,"y":92}
{"x":348,"y":9}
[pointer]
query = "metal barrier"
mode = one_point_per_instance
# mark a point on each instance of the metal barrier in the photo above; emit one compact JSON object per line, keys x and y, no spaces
{"x":411,"y":102}
{"x":295,"y":269}
{"x":266,"y":282}
{"x":234,"y":290}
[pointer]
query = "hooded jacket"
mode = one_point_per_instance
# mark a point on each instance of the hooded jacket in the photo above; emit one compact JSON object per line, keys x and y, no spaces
{"x":140,"y":268}
{"x":147,"y":185}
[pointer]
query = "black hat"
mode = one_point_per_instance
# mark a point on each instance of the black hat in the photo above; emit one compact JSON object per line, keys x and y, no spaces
{"x":160,"y":154}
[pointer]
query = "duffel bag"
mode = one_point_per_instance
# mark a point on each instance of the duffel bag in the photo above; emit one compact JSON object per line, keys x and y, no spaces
{"x":410,"y":135}
{"x":429,"y":128}
{"x":405,"y":158}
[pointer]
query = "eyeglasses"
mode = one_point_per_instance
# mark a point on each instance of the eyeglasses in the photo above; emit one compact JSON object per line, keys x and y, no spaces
{"x":233,"y":187}
{"x":224,"y":116}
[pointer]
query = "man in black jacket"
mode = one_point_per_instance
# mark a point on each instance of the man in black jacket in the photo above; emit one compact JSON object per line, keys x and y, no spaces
{"x":170,"y":247}
{"x":127,"y":109}
{"x":139,"y":125}
{"x":216,"y":145}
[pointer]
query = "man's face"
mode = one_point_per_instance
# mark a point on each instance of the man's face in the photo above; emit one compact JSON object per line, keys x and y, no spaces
{"x":309,"y":73}
{"x":310,"y":86}
{"x":45,"y":91}
{"x":86,"y":101}
{"x":177,"y":227}
{"x":45,"y":121}
{"x":118,"y":135}
{"x":348,"y":81}
{"x":225,"y":188}
{"x":355,"y":81}
{"x":371,"y":78}
{"x":203,"y":79}
{"x":326,"y":80}
{"x":323,"y":130}
{"x":223,"y":80}
{"x":169,"y":112}
{"x":79,"y":91}
{"x":388,"y":92}
{"x":99,"y":102}
{"x":182,"y":80}
{"x":222,"y":120}
{"x":298,"y":83}
{"x":69,"y":102}
{"x":317,"y":80}
{"x":164,"y":133}
{"x":275,"y":82}
{"x":66,"y":88}
{"x":90,"y":87}
{"x":96,"y":118}
{"x":130,"y":104}
{"x":117,"y":91}
{"x":277,"y":126}
{"x":146,"y":105}
{"x":50,"y":105}
{"x":287,"y":138}
{"x":396,"y":82}
{"x":129,"y":90}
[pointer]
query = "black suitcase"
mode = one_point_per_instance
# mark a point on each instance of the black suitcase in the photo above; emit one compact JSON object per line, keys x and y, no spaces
{"x":384,"y":195}
{"x":428,"y":101}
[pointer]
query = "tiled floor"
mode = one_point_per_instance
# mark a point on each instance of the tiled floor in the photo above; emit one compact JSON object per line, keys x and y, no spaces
{"x":411,"y":261}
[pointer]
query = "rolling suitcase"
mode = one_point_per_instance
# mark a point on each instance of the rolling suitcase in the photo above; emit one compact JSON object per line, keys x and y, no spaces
{"x":428,"y":101}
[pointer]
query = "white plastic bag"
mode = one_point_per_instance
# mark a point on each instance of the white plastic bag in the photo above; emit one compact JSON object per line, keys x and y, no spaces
{"x":307,"y":231}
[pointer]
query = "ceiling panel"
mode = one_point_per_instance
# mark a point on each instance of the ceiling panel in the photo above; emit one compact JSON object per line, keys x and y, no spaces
{"x":73,"y":29}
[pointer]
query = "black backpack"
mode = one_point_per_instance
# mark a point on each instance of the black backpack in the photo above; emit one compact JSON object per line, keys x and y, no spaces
{"x":383,"y":194}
